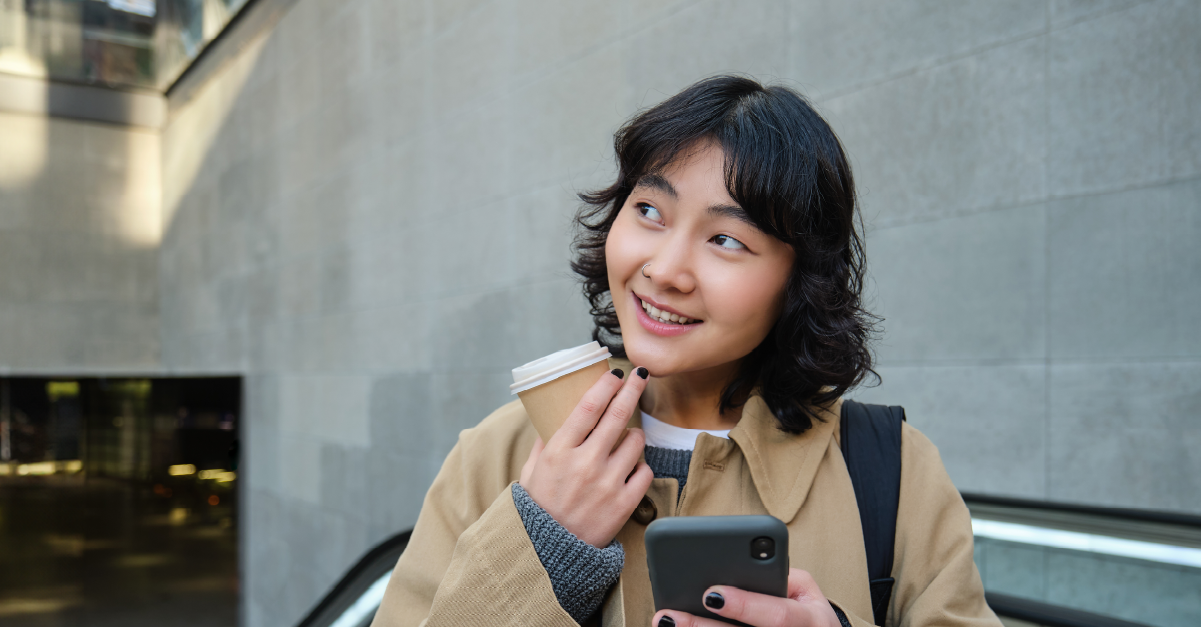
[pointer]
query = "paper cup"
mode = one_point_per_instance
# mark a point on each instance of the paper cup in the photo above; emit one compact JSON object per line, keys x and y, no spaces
{"x":551,"y":387}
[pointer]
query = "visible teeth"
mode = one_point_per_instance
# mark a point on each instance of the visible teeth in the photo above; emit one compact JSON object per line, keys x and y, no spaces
{"x":664,"y":316}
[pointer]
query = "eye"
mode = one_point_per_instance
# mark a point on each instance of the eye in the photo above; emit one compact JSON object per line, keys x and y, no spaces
{"x":727,"y":242}
{"x":648,"y":211}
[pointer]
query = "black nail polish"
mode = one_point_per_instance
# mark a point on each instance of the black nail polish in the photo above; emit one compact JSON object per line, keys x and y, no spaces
{"x":715,"y":601}
{"x":666,"y":621}
{"x":618,"y":373}
{"x":642,"y":372}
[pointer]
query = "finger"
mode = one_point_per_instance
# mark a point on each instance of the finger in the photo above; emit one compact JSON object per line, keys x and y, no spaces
{"x":808,"y":600}
{"x":801,"y":584}
{"x":528,"y":468}
{"x":637,"y":485}
{"x":617,"y":417}
{"x":672,"y":618}
{"x":589,"y":410}
{"x":625,"y":457}
{"x":635,"y":489}
{"x":751,"y":608}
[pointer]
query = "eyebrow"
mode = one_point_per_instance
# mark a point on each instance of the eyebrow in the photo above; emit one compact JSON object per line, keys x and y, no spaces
{"x":732,"y":211}
{"x":657,"y":182}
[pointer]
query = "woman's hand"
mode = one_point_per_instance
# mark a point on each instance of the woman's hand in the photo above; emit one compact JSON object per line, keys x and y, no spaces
{"x":805,"y":606}
{"x":578,"y":477}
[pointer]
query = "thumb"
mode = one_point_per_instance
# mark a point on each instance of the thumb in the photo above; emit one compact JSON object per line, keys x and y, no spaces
{"x":528,"y":468}
{"x":814,"y":605}
{"x":802,"y":587}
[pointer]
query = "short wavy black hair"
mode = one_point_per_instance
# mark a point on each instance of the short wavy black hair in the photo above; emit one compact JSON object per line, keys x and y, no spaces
{"x":786,"y":168}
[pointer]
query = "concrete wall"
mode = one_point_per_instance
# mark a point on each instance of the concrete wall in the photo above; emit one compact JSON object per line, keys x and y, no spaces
{"x":368,"y":214}
{"x":80,"y":221}
{"x":1037,"y":209}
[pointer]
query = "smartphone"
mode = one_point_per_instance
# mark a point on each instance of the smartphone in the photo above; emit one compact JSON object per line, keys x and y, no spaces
{"x":688,"y":554}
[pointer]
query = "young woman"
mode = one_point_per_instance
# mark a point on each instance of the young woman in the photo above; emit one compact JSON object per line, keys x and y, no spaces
{"x":725,"y":264}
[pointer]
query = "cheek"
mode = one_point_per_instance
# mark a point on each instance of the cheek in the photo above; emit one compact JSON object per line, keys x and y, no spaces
{"x":620,"y":254}
{"x":753,"y":301}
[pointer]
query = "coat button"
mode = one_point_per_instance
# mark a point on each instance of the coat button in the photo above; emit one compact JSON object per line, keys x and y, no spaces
{"x":645,"y":512}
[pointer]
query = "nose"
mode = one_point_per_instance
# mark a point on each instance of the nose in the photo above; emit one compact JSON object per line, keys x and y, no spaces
{"x":671,"y":266}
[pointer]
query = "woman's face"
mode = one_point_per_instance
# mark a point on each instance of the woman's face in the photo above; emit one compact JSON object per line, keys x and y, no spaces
{"x":708,"y":264}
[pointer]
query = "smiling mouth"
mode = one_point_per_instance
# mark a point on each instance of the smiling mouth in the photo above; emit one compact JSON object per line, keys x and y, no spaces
{"x":664,"y":317}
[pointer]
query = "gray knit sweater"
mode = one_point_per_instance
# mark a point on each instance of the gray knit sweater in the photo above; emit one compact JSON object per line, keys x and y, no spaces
{"x":580,"y":573}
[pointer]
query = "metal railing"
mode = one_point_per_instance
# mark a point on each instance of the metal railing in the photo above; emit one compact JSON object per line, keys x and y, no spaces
{"x":1049,"y":615}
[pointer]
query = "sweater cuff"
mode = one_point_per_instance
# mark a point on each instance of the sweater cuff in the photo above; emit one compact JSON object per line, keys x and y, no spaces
{"x":580,"y":573}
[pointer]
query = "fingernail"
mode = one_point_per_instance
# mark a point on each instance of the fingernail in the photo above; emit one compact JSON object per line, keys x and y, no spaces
{"x":666,"y":621}
{"x":714,"y":601}
{"x":618,"y":373}
{"x":642,"y":372}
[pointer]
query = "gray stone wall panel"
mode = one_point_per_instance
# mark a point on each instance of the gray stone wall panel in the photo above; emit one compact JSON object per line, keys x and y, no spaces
{"x":1123,"y":99}
{"x":692,"y":40}
{"x":1125,"y":434}
{"x":1122,"y":274}
{"x":965,"y":288}
{"x":961,"y":137}
{"x":841,"y":46}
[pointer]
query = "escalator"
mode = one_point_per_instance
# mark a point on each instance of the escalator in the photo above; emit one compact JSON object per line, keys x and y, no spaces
{"x":1065,"y":565}
{"x":1042,"y":564}
{"x":353,"y":600}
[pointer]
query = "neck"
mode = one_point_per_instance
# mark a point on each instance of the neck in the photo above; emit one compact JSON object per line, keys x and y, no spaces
{"x":692,"y":399}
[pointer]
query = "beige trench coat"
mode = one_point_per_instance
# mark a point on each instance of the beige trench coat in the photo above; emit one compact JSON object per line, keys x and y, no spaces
{"x":470,"y":561}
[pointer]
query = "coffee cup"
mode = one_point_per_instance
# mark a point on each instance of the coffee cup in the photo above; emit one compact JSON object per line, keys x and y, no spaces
{"x":551,"y":387}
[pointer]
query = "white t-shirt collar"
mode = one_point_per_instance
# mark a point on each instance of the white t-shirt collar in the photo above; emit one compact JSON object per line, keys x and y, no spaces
{"x":659,"y":434}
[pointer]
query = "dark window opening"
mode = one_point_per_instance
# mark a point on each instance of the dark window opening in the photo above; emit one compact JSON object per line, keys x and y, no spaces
{"x":118,"y":500}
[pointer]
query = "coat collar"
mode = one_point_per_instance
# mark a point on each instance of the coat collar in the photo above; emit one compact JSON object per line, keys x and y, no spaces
{"x":782,"y":465}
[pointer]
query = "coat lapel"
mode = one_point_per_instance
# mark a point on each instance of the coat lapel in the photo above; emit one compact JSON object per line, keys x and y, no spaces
{"x":782,"y":464}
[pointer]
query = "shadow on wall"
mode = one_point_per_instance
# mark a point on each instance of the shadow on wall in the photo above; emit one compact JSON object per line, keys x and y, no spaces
{"x":80,"y":226}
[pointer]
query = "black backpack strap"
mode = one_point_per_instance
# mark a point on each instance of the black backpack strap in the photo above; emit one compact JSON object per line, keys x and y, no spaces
{"x":871,"y":446}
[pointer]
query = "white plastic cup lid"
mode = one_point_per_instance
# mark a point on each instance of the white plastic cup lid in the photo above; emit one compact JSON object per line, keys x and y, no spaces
{"x":556,"y":365}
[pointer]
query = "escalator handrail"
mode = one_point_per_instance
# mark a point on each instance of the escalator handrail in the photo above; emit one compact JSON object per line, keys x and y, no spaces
{"x":365,"y":563}
{"x":1144,"y":515}
{"x":1049,"y":615}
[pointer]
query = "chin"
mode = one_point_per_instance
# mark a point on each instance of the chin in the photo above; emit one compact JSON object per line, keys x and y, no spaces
{"x":651,"y":361}
{"x":661,"y":361}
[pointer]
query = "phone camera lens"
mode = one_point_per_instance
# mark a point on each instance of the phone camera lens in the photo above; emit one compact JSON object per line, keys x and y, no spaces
{"x":763,"y":548}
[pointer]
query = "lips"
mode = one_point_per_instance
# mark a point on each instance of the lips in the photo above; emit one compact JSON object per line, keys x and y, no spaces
{"x":660,"y":323}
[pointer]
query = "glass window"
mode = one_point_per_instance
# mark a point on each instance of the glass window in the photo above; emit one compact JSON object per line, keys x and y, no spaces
{"x":118,"y":43}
